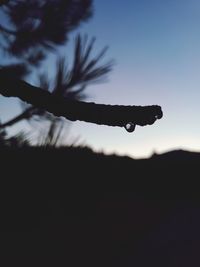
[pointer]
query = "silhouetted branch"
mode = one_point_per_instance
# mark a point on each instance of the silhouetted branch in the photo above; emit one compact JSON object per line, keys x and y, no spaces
{"x":73,"y":110}
{"x":27,"y":114}
{"x":68,"y":82}
{"x":43,"y":24}
{"x":86,"y":69}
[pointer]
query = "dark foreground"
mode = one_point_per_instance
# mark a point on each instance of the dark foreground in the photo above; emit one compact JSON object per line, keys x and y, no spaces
{"x":73,"y":207}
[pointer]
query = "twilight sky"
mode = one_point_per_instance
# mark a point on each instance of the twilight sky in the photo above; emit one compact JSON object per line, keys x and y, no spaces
{"x":156,"y":48}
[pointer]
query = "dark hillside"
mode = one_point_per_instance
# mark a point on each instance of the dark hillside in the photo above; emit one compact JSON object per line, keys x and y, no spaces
{"x":73,"y":207}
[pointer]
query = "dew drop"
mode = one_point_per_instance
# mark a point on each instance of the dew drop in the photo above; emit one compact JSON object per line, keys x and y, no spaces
{"x":130,"y":127}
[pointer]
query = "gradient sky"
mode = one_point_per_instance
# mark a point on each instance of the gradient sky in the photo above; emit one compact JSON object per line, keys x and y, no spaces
{"x":156,"y":48}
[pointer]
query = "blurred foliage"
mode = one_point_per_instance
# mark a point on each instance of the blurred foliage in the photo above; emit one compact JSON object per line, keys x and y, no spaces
{"x":34,"y":29}
{"x":19,"y":140}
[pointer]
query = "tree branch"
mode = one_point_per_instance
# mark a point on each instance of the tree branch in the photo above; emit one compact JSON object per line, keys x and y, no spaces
{"x":111,"y":115}
{"x":26,"y":114}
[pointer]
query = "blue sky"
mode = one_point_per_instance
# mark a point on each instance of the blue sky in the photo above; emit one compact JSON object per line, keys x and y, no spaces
{"x":156,"y":48}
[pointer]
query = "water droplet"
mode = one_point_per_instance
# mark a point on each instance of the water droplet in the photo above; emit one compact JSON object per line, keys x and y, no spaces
{"x":130,"y":127}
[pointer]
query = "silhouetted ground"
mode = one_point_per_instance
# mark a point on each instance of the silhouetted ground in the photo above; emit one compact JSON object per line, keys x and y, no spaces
{"x":73,"y":207}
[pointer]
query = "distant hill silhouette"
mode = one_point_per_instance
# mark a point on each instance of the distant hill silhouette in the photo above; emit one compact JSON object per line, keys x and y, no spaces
{"x":178,"y":155}
{"x":72,"y":207}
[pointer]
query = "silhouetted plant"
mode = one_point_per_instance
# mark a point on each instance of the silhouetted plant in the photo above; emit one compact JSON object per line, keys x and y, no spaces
{"x":69,"y":82}
{"x":37,"y":27}
{"x":19,"y":140}
{"x":35,"y":33}
{"x":52,"y":136}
